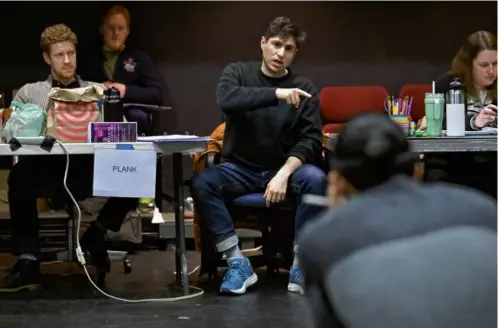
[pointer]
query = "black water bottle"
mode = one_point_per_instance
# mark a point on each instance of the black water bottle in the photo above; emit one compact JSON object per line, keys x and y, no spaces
{"x":113,"y":106}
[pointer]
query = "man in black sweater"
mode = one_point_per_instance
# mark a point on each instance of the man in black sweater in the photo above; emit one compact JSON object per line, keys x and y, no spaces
{"x":272,"y":144}
{"x":129,"y":70}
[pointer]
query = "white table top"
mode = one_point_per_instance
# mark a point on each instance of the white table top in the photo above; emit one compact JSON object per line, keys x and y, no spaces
{"x":172,"y":146}
{"x":443,"y":144}
{"x":178,"y":143}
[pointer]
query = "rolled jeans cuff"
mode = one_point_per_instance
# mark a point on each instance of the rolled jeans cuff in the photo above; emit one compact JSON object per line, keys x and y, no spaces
{"x":227,"y":243}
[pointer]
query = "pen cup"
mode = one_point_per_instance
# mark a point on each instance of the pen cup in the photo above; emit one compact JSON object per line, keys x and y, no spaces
{"x":403,"y":122}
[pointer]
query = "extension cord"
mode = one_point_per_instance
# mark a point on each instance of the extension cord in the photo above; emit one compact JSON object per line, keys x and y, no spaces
{"x":194,"y":270}
{"x":81,"y":257}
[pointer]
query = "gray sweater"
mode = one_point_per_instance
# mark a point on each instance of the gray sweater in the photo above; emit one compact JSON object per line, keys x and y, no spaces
{"x":401,"y":208}
{"x":37,"y":93}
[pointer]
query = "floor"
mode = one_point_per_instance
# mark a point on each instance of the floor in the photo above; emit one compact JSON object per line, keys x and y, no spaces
{"x":68,"y":300}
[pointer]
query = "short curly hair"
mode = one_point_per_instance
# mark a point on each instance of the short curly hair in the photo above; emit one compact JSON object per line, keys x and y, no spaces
{"x":55,"y":34}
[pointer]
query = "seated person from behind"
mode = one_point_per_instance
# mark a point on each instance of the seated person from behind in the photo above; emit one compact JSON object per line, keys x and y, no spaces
{"x":272,"y":144}
{"x":475,"y":65}
{"x":130,"y":71}
{"x":376,"y":201}
{"x":30,"y":173}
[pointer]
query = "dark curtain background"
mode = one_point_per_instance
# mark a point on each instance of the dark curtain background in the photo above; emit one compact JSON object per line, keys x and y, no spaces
{"x":349,"y":43}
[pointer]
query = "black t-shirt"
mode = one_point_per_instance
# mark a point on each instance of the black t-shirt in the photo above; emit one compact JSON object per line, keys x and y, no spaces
{"x":73,"y":85}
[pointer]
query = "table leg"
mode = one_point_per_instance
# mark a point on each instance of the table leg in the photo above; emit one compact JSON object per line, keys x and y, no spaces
{"x":424,"y":167}
{"x":180,"y":253}
{"x":159,"y":183}
{"x":159,"y":200}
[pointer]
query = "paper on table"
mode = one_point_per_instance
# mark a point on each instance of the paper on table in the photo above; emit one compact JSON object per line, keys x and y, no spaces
{"x":495,"y":130}
{"x":483,"y":132}
{"x":167,"y":137}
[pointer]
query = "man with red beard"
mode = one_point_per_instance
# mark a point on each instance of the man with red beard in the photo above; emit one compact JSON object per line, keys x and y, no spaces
{"x":125,"y":68}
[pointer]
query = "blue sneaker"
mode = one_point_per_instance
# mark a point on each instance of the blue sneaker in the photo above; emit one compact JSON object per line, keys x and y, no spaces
{"x":296,"y":280}
{"x":238,"y":277}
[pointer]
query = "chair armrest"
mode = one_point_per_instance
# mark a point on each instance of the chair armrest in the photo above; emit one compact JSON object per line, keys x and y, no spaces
{"x":326,"y":159}
{"x":213,"y":159}
{"x":147,"y":107}
{"x":6,"y":115}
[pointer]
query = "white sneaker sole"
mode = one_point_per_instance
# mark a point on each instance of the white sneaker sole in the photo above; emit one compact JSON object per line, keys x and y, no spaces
{"x":248,"y":283}
{"x":295,"y":288}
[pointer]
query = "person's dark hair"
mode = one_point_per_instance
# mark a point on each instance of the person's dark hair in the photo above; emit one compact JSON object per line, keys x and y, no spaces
{"x":370,"y":149}
{"x":462,"y":63}
{"x":284,"y":28}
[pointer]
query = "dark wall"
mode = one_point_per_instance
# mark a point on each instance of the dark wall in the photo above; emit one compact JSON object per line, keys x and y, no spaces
{"x":386,"y":43}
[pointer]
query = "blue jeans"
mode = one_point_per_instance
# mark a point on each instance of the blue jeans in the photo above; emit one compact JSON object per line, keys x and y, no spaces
{"x":217,"y":186}
{"x":140,"y":116}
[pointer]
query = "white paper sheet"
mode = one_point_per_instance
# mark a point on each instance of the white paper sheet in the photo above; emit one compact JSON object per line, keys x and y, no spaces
{"x":167,"y":137}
